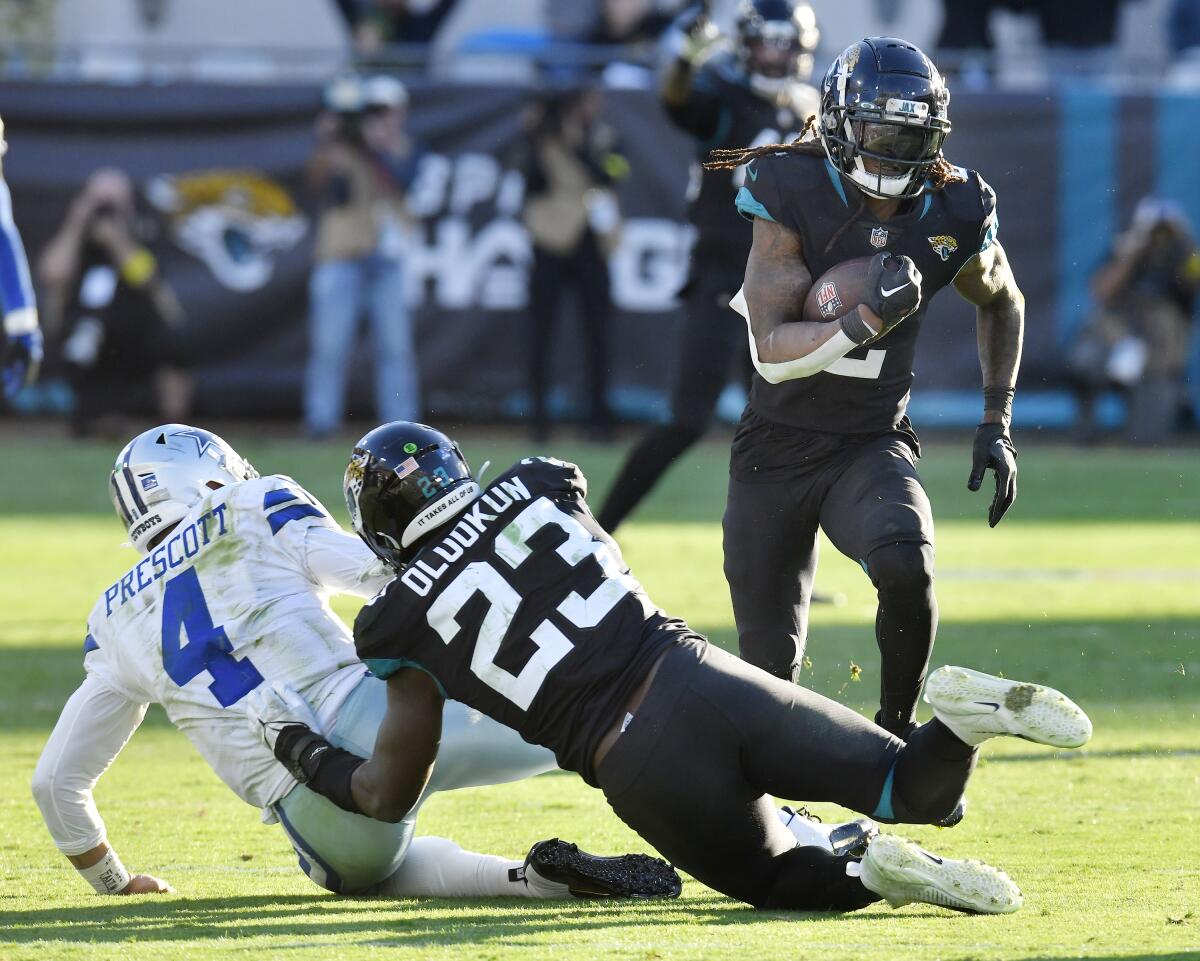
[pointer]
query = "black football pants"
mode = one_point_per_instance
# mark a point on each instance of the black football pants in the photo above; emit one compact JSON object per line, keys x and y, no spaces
{"x":715,"y":736}
{"x":865,"y":494}
{"x":710,"y":345}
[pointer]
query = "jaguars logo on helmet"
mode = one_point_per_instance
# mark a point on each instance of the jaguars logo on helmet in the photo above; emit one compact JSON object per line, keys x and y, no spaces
{"x":405,"y":481}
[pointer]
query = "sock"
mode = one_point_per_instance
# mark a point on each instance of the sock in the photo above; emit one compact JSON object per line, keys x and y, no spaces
{"x":438,"y":868}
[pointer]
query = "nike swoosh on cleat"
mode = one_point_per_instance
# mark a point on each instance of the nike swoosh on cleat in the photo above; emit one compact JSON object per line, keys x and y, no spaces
{"x":888,"y":293}
{"x":933,"y":857}
{"x":992,"y":704}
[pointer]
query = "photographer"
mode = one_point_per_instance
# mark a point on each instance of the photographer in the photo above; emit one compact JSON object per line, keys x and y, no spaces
{"x":102,"y":288}
{"x":361,"y":168}
{"x":570,"y":163}
{"x":1137,"y":342}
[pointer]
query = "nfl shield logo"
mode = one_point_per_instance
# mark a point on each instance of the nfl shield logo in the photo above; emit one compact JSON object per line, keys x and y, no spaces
{"x":878,"y":237}
{"x":828,"y":300}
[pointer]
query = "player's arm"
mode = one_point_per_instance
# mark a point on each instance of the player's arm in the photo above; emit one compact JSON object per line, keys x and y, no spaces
{"x":783,"y":346}
{"x":22,"y":347}
{"x":342,"y":564}
{"x":94,"y":726}
{"x":690,"y":40}
{"x":987,"y":282}
{"x":385,"y":786}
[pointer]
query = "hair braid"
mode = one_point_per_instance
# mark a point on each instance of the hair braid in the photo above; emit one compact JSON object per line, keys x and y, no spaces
{"x":942,"y":172}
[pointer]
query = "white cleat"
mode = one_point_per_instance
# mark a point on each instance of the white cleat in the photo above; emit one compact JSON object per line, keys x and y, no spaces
{"x":901,"y":873}
{"x":978,"y":706}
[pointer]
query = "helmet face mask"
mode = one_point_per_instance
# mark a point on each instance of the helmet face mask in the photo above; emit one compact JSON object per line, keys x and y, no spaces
{"x":884,"y":117}
{"x":161,"y":474}
{"x":403,"y":482}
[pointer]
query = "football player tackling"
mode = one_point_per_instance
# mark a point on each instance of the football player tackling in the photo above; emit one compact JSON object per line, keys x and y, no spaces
{"x":513,"y":600}
{"x":824,"y":442}
{"x":232,"y":596}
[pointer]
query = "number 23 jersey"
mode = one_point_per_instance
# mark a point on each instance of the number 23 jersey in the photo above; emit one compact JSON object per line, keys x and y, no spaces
{"x":523,"y":610}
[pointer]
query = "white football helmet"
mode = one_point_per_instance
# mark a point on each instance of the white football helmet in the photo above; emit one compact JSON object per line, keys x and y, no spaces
{"x":160,"y":475}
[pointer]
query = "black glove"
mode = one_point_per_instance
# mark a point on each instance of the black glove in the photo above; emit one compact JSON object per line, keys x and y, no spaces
{"x":994,"y":448}
{"x":893,"y":288}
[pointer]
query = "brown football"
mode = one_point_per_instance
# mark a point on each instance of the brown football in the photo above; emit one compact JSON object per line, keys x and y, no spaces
{"x":838,"y":291}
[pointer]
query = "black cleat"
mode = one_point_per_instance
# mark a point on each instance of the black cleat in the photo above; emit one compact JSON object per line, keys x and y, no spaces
{"x":955,"y":816}
{"x":589,"y":876}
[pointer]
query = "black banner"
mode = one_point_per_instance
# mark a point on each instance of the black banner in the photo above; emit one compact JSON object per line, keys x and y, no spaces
{"x":222,"y":168}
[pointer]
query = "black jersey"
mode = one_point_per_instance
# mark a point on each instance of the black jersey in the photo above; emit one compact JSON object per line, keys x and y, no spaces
{"x":722,"y":110}
{"x":525,"y":611}
{"x":867,"y":390}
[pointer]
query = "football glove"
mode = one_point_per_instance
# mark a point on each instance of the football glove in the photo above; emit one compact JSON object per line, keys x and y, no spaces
{"x":270,"y":708}
{"x":994,"y":449}
{"x":893,"y":288}
{"x":694,"y":35}
{"x":22,"y":354}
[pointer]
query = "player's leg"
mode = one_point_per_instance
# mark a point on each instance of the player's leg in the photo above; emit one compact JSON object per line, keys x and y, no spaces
{"x":397,"y":391}
{"x":545,"y":289}
{"x":877,"y":513}
{"x":595,"y":314}
{"x":770,"y":546}
{"x":706,"y":338}
{"x":335,"y":301}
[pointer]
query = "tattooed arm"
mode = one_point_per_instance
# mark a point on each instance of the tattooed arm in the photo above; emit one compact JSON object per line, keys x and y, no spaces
{"x":987,"y":282}
{"x":782,"y":344}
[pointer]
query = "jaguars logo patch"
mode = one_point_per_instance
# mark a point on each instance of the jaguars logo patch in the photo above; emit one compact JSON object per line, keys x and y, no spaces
{"x":238,"y":222}
{"x":828,"y":300}
{"x":943,"y":245}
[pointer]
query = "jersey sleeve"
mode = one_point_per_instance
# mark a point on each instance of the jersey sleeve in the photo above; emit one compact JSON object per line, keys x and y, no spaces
{"x":551,"y":477}
{"x":342,"y":564}
{"x":94,"y":726}
{"x":761,"y":195}
{"x":972,"y":204}
{"x":376,"y":629}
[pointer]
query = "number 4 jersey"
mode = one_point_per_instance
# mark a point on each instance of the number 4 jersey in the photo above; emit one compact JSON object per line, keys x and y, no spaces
{"x":524,"y":610}
{"x":236,"y":594}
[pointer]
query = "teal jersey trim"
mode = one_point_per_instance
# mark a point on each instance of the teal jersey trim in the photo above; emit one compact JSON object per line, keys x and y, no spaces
{"x":928,"y":201}
{"x":750,"y":208}
{"x":385,"y":667}
{"x":990,"y":237}
{"x":883,"y":810}
{"x":836,"y":179}
{"x":724,"y":123}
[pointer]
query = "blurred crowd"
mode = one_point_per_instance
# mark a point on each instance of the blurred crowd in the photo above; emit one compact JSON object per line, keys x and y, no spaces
{"x":120,"y":329}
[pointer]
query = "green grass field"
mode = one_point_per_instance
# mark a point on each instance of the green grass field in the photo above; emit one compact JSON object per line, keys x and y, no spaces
{"x":1091,"y":584}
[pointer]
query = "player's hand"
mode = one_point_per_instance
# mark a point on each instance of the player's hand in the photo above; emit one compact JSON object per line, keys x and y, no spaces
{"x":893,"y":288}
{"x":146,"y":884}
{"x":272,"y":707}
{"x":994,"y":449}
{"x":22,"y":352}
{"x":697,"y":34}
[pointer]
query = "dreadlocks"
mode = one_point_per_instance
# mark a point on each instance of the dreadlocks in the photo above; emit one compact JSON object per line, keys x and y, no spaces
{"x":941,"y":173}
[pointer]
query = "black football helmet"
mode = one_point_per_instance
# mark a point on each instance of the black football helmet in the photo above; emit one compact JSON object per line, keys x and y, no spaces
{"x":404,"y":481}
{"x":884,"y":116}
{"x":775,"y":43}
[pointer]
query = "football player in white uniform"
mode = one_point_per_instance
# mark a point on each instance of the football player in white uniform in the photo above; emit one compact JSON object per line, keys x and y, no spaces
{"x":21,"y":343}
{"x":230,"y":596}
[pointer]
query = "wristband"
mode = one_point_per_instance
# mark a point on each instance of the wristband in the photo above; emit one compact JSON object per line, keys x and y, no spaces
{"x":108,"y":875}
{"x":999,"y":400}
{"x":857,"y":329}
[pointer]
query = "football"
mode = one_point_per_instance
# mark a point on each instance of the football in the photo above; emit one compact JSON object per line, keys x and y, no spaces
{"x":838,"y":291}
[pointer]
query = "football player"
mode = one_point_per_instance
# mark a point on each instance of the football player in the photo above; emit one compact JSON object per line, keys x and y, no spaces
{"x":21,"y":352}
{"x":824,"y":441}
{"x":753,"y":94}
{"x":512,"y":599}
{"x":230,"y":595}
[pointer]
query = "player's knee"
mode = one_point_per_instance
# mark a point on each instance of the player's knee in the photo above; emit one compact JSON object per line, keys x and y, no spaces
{"x":903,"y":568}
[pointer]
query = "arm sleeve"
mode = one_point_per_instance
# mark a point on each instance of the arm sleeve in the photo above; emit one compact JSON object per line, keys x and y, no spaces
{"x":989,"y":227}
{"x":342,"y":563}
{"x":16,"y":287}
{"x":91,"y":731}
{"x":759,"y":195}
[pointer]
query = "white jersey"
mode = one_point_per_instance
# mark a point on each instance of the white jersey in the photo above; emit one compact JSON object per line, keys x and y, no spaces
{"x":235,"y":596}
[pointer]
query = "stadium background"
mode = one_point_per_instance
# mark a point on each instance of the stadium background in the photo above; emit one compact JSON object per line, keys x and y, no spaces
{"x":1069,"y":156}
